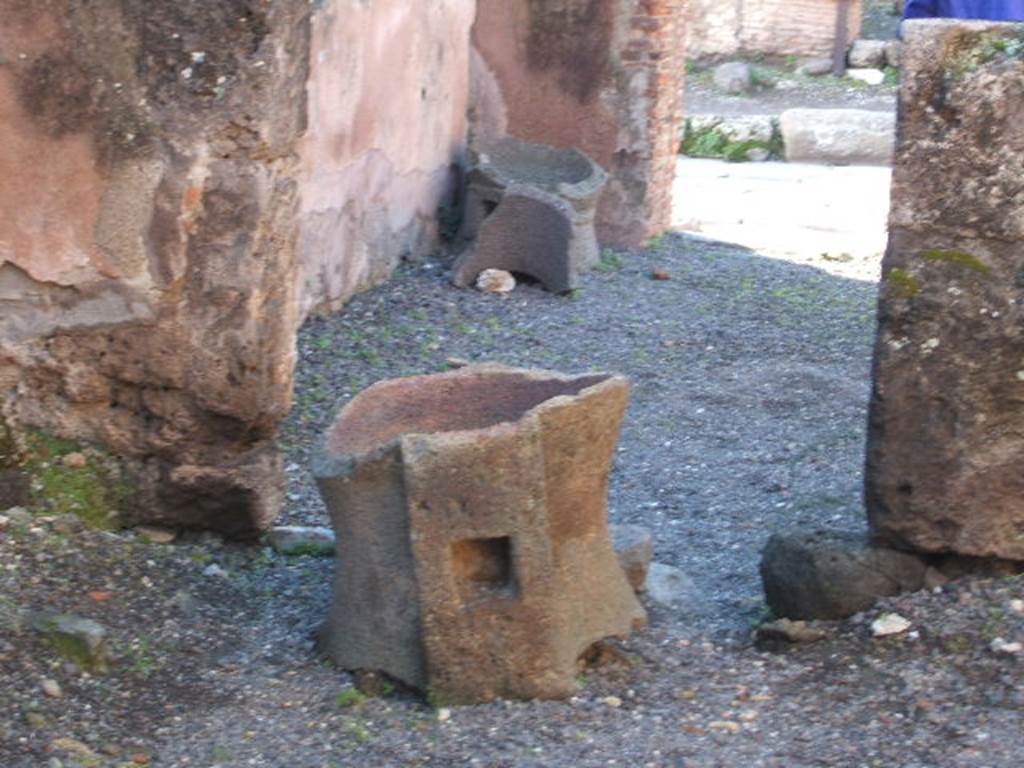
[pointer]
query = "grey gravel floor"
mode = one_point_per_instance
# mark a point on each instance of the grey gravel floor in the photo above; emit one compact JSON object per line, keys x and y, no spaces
{"x":750,"y":379}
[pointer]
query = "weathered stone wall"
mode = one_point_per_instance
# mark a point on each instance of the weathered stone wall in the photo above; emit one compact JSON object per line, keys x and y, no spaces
{"x":604,"y":76}
{"x":778,"y":27}
{"x":147,"y":245}
{"x":946,"y":433}
{"x":388,"y":95}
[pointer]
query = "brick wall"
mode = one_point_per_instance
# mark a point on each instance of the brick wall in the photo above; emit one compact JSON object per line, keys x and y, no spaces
{"x":781,"y":27}
{"x":601,"y":75}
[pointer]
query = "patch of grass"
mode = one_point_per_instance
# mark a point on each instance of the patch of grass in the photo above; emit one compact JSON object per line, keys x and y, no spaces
{"x":610,"y":261}
{"x":358,"y":732}
{"x":94,"y":490}
{"x":350,"y":697}
{"x":142,"y":660}
{"x":764,"y":77}
{"x":712,"y":141}
{"x":311,"y":549}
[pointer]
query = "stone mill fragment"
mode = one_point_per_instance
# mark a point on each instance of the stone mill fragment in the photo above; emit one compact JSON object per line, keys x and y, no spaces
{"x":530,"y":210}
{"x":474,"y":559}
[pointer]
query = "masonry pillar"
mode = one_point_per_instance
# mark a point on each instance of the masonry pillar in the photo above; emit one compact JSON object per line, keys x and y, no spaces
{"x":605,"y":76}
{"x":945,"y":458}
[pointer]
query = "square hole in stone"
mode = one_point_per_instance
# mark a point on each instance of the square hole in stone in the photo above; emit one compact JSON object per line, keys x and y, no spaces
{"x":483,"y":567}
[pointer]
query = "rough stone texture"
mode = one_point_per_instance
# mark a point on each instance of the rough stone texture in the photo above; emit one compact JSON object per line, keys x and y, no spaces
{"x":185,"y":181}
{"x":831,"y":575}
{"x":147,"y":239}
{"x":947,"y":410}
{"x":470,"y":511}
{"x":530,"y":209}
{"x":733,"y":77}
{"x":894,"y":53}
{"x":634,"y":546}
{"x":672,"y":588}
{"x":868,"y":53}
{"x":783,"y":27}
{"x":838,"y":136}
{"x":386,"y":141}
{"x":604,"y":76}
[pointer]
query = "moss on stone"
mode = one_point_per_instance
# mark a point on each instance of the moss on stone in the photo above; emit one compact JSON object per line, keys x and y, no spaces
{"x":959,"y":258}
{"x":93,"y":490}
{"x":91,"y":487}
{"x":969,"y":51}
{"x":903,"y":283}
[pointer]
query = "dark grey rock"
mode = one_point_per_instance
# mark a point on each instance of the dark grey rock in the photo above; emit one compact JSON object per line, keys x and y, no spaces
{"x":832,"y":575}
{"x":734,"y":77}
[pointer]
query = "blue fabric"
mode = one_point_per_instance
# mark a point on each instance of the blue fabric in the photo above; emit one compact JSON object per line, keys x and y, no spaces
{"x":994,"y":10}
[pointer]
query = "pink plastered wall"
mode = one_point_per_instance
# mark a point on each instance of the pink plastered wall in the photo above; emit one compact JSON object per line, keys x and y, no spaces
{"x":387,"y":98}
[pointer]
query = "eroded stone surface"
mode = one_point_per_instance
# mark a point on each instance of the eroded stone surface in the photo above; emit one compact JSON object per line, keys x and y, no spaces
{"x":634,"y":546}
{"x":470,"y":511}
{"x":186,"y":181}
{"x":832,"y":575}
{"x":838,"y":136}
{"x":147,"y":254}
{"x":530,"y":210}
{"x":379,"y":160}
{"x":947,"y":410}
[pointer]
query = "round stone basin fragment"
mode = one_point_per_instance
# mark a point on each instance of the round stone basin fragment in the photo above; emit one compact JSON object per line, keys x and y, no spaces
{"x":530,"y":209}
{"x":567,"y":172}
{"x":474,"y":560}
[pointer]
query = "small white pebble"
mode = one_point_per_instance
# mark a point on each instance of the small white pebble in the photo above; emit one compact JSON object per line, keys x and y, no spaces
{"x":889,"y":624}
{"x":51,"y":688}
{"x":1017,"y":606}
{"x":444,"y":715}
{"x":612,"y":701}
{"x":999,"y":645}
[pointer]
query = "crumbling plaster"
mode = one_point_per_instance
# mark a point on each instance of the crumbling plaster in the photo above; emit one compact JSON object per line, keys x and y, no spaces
{"x":388,"y":95}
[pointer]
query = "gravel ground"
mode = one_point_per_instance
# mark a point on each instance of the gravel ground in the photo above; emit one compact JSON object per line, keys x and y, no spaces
{"x":750,"y":381}
{"x":790,"y":91}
